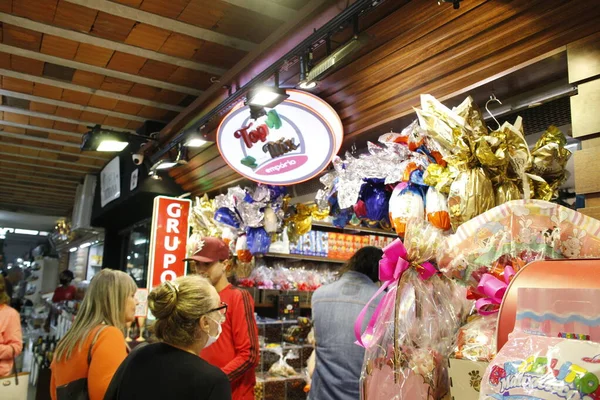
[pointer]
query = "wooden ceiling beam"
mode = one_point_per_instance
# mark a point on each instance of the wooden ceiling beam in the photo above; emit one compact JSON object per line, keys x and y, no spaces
{"x":24,"y":146}
{"x":272,"y":10}
{"x":32,"y":174}
{"x":35,"y":193}
{"x":38,"y":166}
{"x":22,"y":111}
{"x":38,"y":139}
{"x":84,"y":89}
{"x":18,"y":185}
{"x":34,"y":55}
{"x":35,"y":201}
{"x":48,"y":190}
{"x":38,"y":181}
{"x":41,"y":210}
{"x":59,"y":103}
{"x":108,"y":44}
{"x":77,"y":164}
{"x":241,"y":73}
{"x":165,"y":23}
{"x":42,"y":129}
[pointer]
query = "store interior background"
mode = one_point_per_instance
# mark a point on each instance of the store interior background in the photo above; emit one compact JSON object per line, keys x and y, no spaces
{"x":528,"y":72}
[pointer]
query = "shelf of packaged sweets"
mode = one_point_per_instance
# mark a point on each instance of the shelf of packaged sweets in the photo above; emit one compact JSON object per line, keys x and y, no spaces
{"x":350,"y":228}
{"x":305,"y":258}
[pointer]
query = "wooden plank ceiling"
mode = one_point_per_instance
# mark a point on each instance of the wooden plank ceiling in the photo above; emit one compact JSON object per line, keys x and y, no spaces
{"x":69,"y":64}
{"x":420,"y":47}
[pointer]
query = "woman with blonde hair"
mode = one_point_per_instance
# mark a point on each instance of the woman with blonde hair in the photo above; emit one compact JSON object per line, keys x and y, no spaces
{"x":188,"y":315}
{"x":11,"y":337}
{"x":88,"y":356}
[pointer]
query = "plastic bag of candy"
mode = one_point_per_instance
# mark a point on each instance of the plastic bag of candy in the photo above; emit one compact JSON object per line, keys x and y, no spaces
{"x":477,"y":339}
{"x":281,"y":367}
{"x":262,"y":277}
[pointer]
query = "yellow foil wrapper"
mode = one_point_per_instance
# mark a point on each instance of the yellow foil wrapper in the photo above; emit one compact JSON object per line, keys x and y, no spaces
{"x":471,"y":194}
{"x":507,"y":191}
{"x":491,"y":153}
{"x":549,"y":156}
{"x":472,"y":116}
{"x":439,"y":177}
{"x":539,"y":188}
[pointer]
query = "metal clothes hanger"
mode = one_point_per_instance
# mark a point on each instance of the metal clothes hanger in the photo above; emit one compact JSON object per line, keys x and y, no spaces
{"x":492,"y":98}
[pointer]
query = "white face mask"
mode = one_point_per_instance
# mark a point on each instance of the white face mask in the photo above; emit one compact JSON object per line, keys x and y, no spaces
{"x":212,"y":339}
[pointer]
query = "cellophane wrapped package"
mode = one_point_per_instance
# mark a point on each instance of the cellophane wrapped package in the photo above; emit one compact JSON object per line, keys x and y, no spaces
{"x":553,"y":353}
{"x":412,"y":332}
{"x":498,"y":243}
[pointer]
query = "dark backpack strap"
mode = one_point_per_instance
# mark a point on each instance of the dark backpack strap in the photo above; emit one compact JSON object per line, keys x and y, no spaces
{"x":89,"y":358}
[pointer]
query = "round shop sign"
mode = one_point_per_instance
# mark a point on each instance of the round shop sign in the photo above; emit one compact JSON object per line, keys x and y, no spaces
{"x":294,"y":142}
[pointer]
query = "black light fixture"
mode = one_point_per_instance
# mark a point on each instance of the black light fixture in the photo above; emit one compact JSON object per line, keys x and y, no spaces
{"x":166,"y":163}
{"x":99,"y":139}
{"x":455,"y":3}
{"x":305,"y":83}
{"x":256,"y":112}
{"x":266,"y":96}
{"x":107,"y":140}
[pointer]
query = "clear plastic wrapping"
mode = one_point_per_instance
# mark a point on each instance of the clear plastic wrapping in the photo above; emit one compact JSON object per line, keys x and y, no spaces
{"x":415,"y":328}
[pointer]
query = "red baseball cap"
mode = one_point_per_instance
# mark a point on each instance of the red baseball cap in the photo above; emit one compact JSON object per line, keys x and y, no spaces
{"x":210,"y":249}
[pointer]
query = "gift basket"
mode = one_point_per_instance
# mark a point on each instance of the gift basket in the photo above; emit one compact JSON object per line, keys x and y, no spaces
{"x":412,"y":330}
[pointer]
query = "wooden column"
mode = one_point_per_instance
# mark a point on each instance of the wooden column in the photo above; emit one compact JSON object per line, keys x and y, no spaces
{"x":584,"y":71}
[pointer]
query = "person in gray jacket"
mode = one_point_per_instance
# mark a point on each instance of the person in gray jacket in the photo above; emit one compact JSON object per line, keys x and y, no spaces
{"x":335,"y":308}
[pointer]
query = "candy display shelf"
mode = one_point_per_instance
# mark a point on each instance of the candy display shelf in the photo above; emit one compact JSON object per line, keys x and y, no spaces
{"x":305,"y":258}
{"x":359,"y":229}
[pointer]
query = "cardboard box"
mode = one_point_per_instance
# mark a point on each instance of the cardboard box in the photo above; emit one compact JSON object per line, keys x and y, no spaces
{"x":332,"y":246}
{"x":365,"y":241}
{"x":465,"y":378}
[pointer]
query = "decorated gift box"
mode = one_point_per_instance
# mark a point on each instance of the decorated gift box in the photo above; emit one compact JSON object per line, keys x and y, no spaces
{"x":551,"y":354}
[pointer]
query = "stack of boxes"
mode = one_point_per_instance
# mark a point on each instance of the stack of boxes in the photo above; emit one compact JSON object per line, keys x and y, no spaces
{"x":339,"y":246}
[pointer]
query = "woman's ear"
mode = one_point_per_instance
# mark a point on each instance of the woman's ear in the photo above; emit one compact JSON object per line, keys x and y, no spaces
{"x":203,"y":323}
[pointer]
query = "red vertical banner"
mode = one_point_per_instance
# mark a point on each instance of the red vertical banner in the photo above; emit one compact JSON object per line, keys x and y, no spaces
{"x":168,"y":239}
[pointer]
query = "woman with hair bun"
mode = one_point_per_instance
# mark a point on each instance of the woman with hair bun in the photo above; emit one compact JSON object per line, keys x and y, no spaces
{"x":188,"y":316}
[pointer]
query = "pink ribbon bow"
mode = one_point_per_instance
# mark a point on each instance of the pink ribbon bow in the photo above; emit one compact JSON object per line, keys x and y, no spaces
{"x":493,"y":290}
{"x":391,"y":267}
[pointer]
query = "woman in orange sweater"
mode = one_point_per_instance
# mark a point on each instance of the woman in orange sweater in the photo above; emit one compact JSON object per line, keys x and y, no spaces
{"x":11,"y":339}
{"x":95,"y":345}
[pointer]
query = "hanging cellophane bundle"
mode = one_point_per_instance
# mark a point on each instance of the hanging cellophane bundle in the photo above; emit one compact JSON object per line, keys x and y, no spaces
{"x":412,"y":331}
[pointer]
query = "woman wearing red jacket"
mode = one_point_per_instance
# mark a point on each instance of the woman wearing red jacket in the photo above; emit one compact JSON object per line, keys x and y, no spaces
{"x":236,"y":351}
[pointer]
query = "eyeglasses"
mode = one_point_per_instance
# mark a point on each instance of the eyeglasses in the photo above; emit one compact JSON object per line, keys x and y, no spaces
{"x":222,"y":309}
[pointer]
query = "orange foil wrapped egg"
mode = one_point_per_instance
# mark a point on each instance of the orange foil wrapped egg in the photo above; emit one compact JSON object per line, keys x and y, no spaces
{"x":437,"y":209}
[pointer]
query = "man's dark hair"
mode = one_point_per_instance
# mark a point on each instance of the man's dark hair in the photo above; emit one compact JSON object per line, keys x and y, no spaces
{"x":67,"y":274}
{"x":365,"y":261}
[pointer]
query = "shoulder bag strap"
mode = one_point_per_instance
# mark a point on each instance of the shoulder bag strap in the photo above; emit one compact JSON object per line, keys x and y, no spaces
{"x":89,"y":358}
{"x":15,"y":365}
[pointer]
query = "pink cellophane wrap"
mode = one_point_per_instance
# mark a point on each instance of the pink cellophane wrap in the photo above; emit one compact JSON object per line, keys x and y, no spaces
{"x":415,"y":329}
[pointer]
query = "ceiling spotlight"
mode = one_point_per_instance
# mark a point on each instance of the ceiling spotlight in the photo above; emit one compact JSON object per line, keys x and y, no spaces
{"x":195,"y":142}
{"x":154,"y":175}
{"x":307,"y":85}
{"x":266,"y":96}
{"x":304,"y":82}
{"x":106,"y":140}
{"x":165,"y":163}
